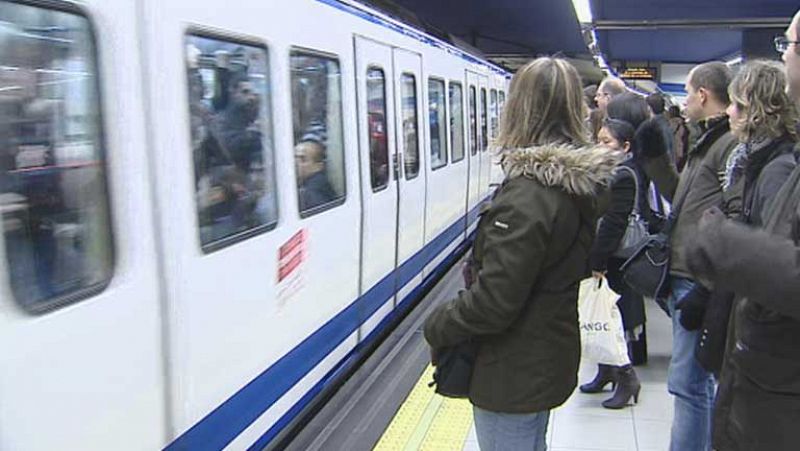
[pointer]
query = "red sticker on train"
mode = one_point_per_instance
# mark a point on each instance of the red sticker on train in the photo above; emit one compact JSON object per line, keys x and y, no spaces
{"x":291,"y":254}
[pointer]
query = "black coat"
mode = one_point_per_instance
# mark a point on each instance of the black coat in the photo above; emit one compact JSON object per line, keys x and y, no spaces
{"x":765,"y":173}
{"x":611,"y":227}
{"x":610,"y":230}
{"x":316,"y":191}
{"x":758,"y":400}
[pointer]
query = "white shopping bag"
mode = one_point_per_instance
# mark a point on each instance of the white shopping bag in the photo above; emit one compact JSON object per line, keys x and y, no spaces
{"x":602,"y":336}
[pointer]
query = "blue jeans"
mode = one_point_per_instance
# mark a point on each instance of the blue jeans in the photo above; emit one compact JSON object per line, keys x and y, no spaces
{"x":691,"y":385}
{"x":498,"y":431}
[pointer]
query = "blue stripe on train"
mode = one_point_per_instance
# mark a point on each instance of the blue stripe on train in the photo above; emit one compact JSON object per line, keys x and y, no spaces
{"x":223,"y":424}
{"x":352,"y":357}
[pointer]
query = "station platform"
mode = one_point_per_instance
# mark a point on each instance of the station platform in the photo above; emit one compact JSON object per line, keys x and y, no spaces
{"x":430,"y":422}
{"x":391,"y":407}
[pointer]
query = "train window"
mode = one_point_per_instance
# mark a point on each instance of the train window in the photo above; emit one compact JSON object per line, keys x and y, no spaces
{"x":408,"y":86}
{"x":456,"y":120}
{"x":473,"y":121}
{"x":318,"y":131}
{"x":231,"y":134}
{"x":53,"y":190}
{"x":501,"y":102}
{"x":437,"y":123}
{"x":484,"y":128}
{"x":493,"y":112}
{"x":376,"y":127}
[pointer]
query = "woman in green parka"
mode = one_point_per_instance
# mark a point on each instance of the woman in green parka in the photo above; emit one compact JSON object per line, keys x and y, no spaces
{"x":529,"y":255}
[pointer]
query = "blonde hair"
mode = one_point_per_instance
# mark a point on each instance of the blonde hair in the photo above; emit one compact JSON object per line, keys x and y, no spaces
{"x":545,"y":105}
{"x":759,"y":93}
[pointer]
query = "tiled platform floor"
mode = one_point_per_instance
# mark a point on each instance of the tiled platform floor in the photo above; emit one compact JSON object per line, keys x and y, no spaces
{"x":583,"y":424}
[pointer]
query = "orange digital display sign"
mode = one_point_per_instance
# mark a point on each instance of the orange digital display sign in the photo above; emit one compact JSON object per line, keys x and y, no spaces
{"x":639,"y":73}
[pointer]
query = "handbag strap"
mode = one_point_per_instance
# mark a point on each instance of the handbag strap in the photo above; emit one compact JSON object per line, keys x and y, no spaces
{"x":636,"y":211}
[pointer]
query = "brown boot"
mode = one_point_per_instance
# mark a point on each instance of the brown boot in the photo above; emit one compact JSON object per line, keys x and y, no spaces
{"x":605,"y":374}
{"x":628,"y":387}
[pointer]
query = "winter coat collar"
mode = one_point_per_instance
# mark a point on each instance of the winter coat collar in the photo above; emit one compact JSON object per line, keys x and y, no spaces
{"x":712,"y":129}
{"x":713,"y":122}
{"x":581,"y":171}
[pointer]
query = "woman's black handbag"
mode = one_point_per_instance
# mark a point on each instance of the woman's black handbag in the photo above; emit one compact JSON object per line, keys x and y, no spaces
{"x":636,"y":229}
{"x":646,"y":271}
{"x":453,"y":370}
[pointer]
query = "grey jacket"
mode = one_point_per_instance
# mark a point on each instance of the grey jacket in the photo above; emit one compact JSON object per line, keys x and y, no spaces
{"x":699,"y":186}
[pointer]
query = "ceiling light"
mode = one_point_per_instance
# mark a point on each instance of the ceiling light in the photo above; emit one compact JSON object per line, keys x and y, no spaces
{"x":582,"y":10}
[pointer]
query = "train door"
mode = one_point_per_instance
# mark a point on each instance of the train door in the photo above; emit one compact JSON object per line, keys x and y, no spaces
{"x":410,"y":170}
{"x":496,"y":172}
{"x":473,"y":125}
{"x":485,"y":136}
{"x":379,"y":174}
{"x":80,"y":345}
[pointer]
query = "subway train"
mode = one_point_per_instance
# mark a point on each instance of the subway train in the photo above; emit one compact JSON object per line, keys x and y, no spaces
{"x":212,"y":210}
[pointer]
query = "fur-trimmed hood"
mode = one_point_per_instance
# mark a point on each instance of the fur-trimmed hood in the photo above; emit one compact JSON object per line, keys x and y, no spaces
{"x":582,"y":171}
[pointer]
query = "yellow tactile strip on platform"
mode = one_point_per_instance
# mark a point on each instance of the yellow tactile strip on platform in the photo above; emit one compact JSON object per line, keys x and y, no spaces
{"x":427,"y":421}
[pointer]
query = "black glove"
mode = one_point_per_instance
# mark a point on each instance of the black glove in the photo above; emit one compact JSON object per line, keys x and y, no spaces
{"x":693,"y":307}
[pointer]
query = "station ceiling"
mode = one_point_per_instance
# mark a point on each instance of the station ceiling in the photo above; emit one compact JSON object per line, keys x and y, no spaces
{"x":671,"y":31}
{"x":506,"y":27}
{"x":685,"y":31}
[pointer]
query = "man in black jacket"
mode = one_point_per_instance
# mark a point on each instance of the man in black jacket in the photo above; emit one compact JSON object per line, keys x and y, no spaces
{"x":238,"y":129}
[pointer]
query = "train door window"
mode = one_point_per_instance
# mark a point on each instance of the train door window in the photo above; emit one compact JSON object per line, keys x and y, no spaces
{"x":437,"y":123}
{"x":473,"y":121}
{"x":456,"y":120}
{"x":376,"y":127}
{"x":484,"y":127}
{"x":231,"y":131}
{"x":493,"y":112}
{"x":318,"y":131}
{"x":53,"y":189}
{"x":408,"y":86}
{"x":501,"y":102}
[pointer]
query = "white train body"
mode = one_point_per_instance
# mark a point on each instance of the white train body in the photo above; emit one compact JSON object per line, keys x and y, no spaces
{"x":195,"y":342}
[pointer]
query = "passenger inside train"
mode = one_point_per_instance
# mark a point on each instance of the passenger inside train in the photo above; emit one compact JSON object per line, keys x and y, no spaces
{"x":227,"y":92}
{"x":55,"y":215}
{"x":315,"y":189}
{"x":318,"y":145}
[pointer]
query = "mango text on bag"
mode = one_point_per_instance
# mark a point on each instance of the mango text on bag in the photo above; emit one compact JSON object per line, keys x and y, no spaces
{"x":596,"y":326}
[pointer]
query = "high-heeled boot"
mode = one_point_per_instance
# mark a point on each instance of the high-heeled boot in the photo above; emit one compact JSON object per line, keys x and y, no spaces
{"x":605,"y":374}
{"x":628,"y":387}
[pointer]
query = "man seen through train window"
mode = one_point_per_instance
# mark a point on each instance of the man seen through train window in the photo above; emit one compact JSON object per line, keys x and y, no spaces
{"x":239,"y":131}
{"x":315,"y":189}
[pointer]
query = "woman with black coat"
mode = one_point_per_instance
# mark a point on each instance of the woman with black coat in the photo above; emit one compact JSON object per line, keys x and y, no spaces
{"x":630,"y":186}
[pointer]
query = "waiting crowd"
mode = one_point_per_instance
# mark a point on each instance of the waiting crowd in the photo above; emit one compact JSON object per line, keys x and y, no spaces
{"x":720,"y":184}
